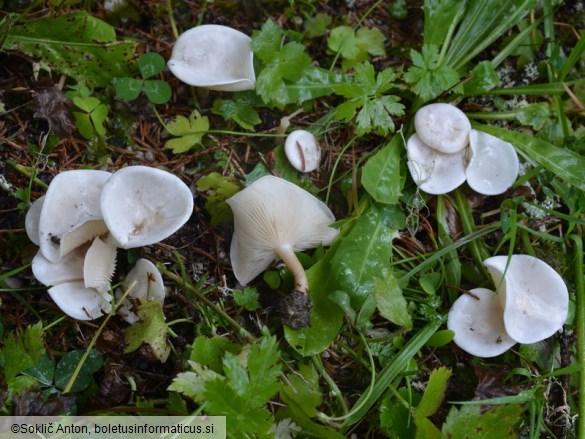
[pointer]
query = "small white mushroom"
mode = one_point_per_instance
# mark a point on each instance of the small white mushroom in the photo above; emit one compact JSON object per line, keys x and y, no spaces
{"x":71,"y":201}
{"x":80,"y":302}
{"x":477,"y":320}
{"x":142,"y":205}
{"x":302,"y":150}
{"x":432,"y":171}
{"x":443,"y":127}
{"x":215,"y":57}
{"x":493,"y":166}
{"x":273,"y":219}
{"x":534,"y":298}
{"x":146,"y":283}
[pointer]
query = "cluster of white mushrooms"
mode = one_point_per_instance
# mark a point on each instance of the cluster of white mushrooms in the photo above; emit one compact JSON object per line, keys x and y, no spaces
{"x":445,"y":152}
{"x":82,"y":220}
{"x":530,"y":305}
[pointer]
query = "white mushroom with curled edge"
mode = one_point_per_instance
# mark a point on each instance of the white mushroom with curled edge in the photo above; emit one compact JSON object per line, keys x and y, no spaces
{"x":302,"y":150}
{"x":530,"y":305}
{"x":214,"y":57}
{"x":143,"y":205}
{"x":273,"y":219}
{"x":445,"y":152}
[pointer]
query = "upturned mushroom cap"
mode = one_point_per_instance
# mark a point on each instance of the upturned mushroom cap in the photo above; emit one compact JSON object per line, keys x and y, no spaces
{"x":142,"y":205}
{"x":68,"y":268}
{"x":443,"y":127}
{"x":493,"y":166}
{"x":71,"y":201}
{"x":533,"y":295}
{"x":478,"y":324}
{"x":80,"y":302}
{"x":31,"y":221}
{"x":434,"y":172}
{"x":146,"y":283}
{"x":215,"y":57}
{"x":302,"y":150}
{"x":271,"y":213}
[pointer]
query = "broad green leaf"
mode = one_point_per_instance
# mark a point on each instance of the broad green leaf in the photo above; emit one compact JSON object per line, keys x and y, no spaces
{"x":157,"y":92}
{"x":87,"y":104}
{"x":83,"y":124}
{"x":342,"y":39}
{"x":364,"y":253}
{"x":564,"y":163}
{"x":483,"y":78}
{"x":267,"y":41}
{"x":315,"y":83}
{"x":151,"y":329}
{"x":190,"y":132}
{"x":43,"y":371}
{"x":150,"y":64}
{"x":390,"y":301}
{"x":383,"y":175}
{"x":317,"y":26}
{"x":301,"y":391}
{"x":440,"y":15}
{"x":534,"y":115}
{"x":499,"y":422}
{"x":241,"y":109}
{"x":371,"y":40}
{"x":98,"y":117}
{"x":128,"y":88}
{"x":434,"y":393}
{"x":68,"y":364}
{"x":210,"y":351}
{"x":75,"y":44}
{"x":22,"y":352}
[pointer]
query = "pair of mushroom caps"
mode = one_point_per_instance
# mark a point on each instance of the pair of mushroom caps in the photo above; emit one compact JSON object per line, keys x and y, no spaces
{"x":82,"y":220}
{"x":440,"y":160}
{"x":530,"y":305}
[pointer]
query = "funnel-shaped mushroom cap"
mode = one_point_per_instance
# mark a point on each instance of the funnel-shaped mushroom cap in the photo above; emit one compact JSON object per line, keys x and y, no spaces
{"x":434,"y":172}
{"x":443,"y":127}
{"x":79,"y":302}
{"x":478,"y":324}
{"x":533,"y":295}
{"x":302,"y":150}
{"x":142,"y":205}
{"x":71,"y":201}
{"x":215,"y":57}
{"x":493,"y":166}
{"x":146,"y":283}
{"x":31,"y":221}
{"x":271,"y":213}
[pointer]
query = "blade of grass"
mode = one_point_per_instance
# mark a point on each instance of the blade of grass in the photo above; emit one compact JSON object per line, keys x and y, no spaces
{"x":573,"y":58}
{"x":580,"y":316}
{"x":476,"y":246}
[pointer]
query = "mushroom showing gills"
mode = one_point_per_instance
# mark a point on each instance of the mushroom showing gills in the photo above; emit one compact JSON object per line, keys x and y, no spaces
{"x":273,"y":218}
{"x":215,"y":57}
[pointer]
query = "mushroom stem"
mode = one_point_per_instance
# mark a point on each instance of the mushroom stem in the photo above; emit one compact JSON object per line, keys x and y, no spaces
{"x":287,"y":254}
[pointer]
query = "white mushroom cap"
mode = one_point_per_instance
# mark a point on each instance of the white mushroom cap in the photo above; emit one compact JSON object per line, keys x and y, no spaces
{"x":533,"y":295}
{"x":146,"y":283}
{"x":493,"y":166}
{"x":478,"y":324}
{"x":443,"y":127}
{"x":432,"y":171}
{"x":31,"y":221}
{"x":214,"y":56}
{"x":68,"y":268}
{"x":80,"y":302}
{"x":302,"y":150}
{"x":142,"y":205}
{"x":71,"y":200}
{"x":273,"y":215}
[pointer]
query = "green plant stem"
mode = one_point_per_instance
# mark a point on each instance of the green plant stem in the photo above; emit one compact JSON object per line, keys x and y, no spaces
{"x":316,"y":359}
{"x":27,"y":171}
{"x":185,"y":284}
{"x":170,"y":11}
{"x":580,"y":316}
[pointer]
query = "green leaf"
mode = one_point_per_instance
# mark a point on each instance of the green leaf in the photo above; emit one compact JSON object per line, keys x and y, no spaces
{"x":75,"y":44}
{"x":157,"y":91}
{"x":151,"y":329}
{"x":483,"y":78}
{"x":497,"y":423}
{"x":429,"y":78}
{"x":23,"y":352}
{"x":68,"y":364}
{"x":317,"y":26}
{"x":355,"y":46}
{"x":210,"y":351}
{"x":83,"y":124}
{"x":191,"y":132}
{"x":371,"y":41}
{"x":241,"y":109}
{"x":219,"y":188}
{"x":266,"y":42}
{"x":247,"y":298}
{"x":383,"y":175}
{"x":342,"y":39}
{"x":440,"y":15}
{"x":564,"y":163}
{"x":87,"y":104}
{"x":365,"y":251}
{"x":301,"y":392}
{"x":150,"y":64}
{"x":390,"y":301}
{"x":128,"y":88}
{"x":43,"y":371}
{"x":535,"y":115}
{"x":98,"y":117}
{"x":434,"y":393}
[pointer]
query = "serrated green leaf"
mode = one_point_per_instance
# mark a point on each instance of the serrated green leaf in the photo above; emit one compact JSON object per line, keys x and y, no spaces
{"x":266,"y":42}
{"x":247,"y":298}
{"x":157,"y":91}
{"x":497,"y":423}
{"x":75,"y":44}
{"x":210,"y":351}
{"x":150,"y":64}
{"x":150,"y":329}
{"x":383,"y":175}
{"x":23,"y":352}
{"x":128,"y":88}
{"x":192,"y":383}
{"x":301,"y":391}
{"x":68,"y":364}
{"x":429,"y":79}
{"x":241,"y":109}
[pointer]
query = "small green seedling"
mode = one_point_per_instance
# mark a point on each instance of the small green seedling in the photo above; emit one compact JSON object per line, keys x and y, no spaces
{"x":188,"y":132}
{"x":156,"y":90}
{"x":356,"y":46}
{"x":90,"y":120}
